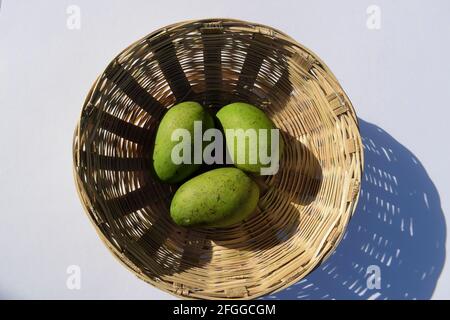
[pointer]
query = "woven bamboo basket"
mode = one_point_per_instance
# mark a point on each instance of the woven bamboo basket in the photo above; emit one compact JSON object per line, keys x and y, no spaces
{"x":303,"y":209}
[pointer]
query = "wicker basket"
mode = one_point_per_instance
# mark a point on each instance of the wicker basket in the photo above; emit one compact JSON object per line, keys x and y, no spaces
{"x":303,"y":209}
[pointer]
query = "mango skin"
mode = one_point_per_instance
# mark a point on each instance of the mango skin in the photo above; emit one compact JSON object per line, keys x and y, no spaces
{"x":217,"y":198}
{"x":240,"y":115}
{"x":183,"y":116}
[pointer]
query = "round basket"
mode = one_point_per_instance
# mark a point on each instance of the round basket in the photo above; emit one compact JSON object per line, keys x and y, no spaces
{"x":303,"y":209}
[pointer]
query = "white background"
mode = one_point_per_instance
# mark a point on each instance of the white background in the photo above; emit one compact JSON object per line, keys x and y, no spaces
{"x":398,"y":77}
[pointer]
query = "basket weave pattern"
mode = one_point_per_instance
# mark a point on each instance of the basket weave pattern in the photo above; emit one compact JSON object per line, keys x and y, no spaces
{"x":303,"y":209}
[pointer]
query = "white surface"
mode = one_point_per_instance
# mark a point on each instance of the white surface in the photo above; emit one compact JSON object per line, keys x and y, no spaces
{"x":397,"y":77}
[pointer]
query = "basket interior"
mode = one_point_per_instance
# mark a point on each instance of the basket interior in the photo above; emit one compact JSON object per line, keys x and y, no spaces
{"x":303,"y":209}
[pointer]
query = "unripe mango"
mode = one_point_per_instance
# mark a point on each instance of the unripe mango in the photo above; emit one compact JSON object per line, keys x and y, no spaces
{"x":217,"y":198}
{"x":252,"y":122}
{"x":180,"y":116}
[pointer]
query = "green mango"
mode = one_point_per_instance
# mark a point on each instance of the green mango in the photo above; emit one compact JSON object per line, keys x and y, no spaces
{"x":217,"y":198}
{"x":245,"y":116}
{"x":180,"y":116}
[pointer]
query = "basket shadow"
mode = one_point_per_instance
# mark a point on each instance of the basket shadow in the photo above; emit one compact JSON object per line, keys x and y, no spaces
{"x":394,"y":246}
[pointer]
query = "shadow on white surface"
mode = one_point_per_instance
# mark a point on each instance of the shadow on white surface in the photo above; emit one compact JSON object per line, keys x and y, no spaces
{"x":398,"y":229}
